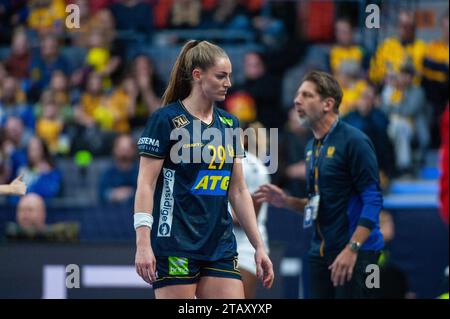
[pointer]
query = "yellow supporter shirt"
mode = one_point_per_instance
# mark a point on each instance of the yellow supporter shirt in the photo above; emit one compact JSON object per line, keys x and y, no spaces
{"x":339,"y":55}
{"x":435,"y":65}
{"x":47,"y":17}
{"x":350,"y":96}
{"x":118,"y":105}
{"x":391,"y":55}
{"x":49,"y":131}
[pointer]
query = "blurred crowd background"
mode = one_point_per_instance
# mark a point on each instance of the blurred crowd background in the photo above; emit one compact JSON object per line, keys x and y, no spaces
{"x":73,"y":101}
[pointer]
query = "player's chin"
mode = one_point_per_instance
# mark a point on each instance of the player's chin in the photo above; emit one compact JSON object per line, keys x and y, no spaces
{"x":220,"y":97}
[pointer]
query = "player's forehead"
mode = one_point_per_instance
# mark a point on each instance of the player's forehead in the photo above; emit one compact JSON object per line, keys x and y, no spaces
{"x":222,"y":65}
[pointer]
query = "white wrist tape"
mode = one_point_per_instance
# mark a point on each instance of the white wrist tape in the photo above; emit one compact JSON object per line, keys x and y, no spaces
{"x":143,"y":219}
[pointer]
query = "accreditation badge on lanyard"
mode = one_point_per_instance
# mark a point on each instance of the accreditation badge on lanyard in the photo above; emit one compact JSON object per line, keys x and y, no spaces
{"x":312,"y":208}
{"x":311,"y":211}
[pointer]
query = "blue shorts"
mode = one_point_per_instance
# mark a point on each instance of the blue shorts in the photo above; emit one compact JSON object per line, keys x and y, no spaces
{"x":184,"y":271}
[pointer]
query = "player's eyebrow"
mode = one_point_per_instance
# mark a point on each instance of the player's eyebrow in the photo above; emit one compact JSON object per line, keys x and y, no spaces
{"x":224,"y":73}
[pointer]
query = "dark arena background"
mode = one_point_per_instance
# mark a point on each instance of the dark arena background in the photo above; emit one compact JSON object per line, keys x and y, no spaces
{"x":79,"y":79}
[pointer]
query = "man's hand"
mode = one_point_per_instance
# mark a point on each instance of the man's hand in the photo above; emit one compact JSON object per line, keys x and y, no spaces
{"x":271,"y":194}
{"x":342,"y":267}
{"x":264,"y":267}
{"x":18,"y":187}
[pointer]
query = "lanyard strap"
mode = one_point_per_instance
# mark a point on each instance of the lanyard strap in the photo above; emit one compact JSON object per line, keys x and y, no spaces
{"x":314,"y":169}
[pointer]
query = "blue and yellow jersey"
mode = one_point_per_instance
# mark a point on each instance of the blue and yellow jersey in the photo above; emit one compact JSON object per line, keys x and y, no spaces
{"x":348,"y":183}
{"x":391,"y":55}
{"x":191,"y":197}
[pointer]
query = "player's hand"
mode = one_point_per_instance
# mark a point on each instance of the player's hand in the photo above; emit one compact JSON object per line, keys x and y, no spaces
{"x":342,"y":267}
{"x":264,"y":268}
{"x":18,"y":186}
{"x":146,"y":263}
{"x":271,"y":194}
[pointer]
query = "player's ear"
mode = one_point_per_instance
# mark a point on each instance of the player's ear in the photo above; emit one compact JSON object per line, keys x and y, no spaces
{"x":196,"y":74}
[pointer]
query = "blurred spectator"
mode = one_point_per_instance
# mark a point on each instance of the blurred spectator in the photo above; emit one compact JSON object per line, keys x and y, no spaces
{"x":40,"y":173}
{"x":231,"y":15}
{"x":99,"y":5}
{"x":444,"y":162}
{"x":31,"y":213}
{"x":395,"y":52}
{"x":4,"y":165}
{"x":94,"y":119}
{"x":93,"y":104}
{"x":3,"y":75}
{"x":133,"y":15}
{"x":99,"y":57}
{"x":150,"y":89}
{"x":185,"y":14}
{"x":44,"y":64}
{"x":263,"y":88}
{"x":345,"y":50}
{"x":405,"y":105}
{"x":292,"y":173}
{"x":18,"y":62}
{"x":435,"y":78}
{"x":15,"y":143}
{"x":122,"y":104}
{"x":374,"y":123}
{"x":118,"y":181}
{"x":12,"y":14}
{"x":31,"y":223}
{"x":242,"y":105}
{"x":353,"y":85}
{"x":13,"y":103}
{"x":59,"y":88}
{"x":79,"y":35}
{"x":47,"y":16}
{"x":103,"y":21}
{"x":50,"y":124}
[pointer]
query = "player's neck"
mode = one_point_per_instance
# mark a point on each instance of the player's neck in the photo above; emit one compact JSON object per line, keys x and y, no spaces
{"x":322,"y":127}
{"x":199,"y":106}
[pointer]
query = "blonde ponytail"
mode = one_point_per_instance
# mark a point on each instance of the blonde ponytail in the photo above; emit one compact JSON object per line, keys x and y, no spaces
{"x":194,"y":54}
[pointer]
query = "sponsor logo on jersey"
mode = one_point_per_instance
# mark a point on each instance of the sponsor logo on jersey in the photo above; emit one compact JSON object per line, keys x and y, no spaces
{"x":178,"y":266}
{"x":167,"y":203}
{"x":211,"y":182}
{"x":148,"y":144}
{"x":180,"y":121}
{"x":226,"y":120}
{"x":148,"y":141}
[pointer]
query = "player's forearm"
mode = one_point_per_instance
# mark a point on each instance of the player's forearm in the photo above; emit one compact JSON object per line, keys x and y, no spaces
{"x":143,"y":204}
{"x":242,"y":203}
{"x":296,"y":204}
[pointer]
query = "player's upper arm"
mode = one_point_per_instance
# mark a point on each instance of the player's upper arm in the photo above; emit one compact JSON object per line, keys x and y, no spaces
{"x":149,"y":169}
{"x":155,"y":140}
{"x":237,"y":182}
